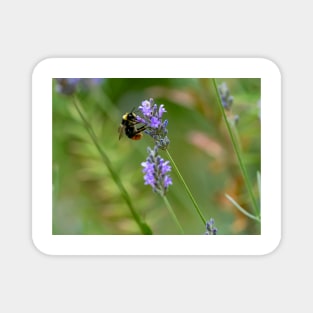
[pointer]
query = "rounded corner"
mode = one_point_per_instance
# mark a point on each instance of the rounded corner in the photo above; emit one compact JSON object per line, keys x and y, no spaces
{"x":273,"y":248}
{"x":41,"y":64}
{"x":273,"y":65}
{"x":37,"y":247}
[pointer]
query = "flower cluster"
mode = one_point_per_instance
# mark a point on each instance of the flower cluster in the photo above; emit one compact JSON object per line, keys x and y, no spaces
{"x":152,"y":119}
{"x":210,"y":230}
{"x":68,"y":86}
{"x":156,"y":169}
{"x":156,"y":172}
{"x":227,"y":99}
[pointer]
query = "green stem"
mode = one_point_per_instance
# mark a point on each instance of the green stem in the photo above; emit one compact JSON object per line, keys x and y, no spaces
{"x":145,"y":229}
{"x":237,"y":151}
{"x":241,"y":209}
{"x":173,"y":214}
{"x":187,"y":189}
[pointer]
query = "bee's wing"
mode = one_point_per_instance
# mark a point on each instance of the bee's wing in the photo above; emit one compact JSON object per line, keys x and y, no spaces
{"x":121,"y":131}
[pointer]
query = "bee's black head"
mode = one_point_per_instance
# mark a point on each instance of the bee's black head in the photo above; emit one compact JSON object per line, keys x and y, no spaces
{"x":132,"y":116}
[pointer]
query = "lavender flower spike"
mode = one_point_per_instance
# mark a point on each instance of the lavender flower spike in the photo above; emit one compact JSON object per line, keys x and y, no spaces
{"x":226,"y":98}
{"x":210,"y":230}
{"x":69,"y":86}
{"x":155,"y":126}
{"x":66,"y":86}
{"x":156,"y":172}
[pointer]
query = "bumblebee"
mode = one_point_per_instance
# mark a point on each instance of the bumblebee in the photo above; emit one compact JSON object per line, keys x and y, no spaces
{"x":128,"y":126}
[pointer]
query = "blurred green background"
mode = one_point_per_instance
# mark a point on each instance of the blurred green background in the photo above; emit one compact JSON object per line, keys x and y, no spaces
{"x":86,"y":199}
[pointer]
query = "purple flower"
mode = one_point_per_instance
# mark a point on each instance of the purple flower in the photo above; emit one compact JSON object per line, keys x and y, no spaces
{"x":154,"y":122}
{"x":155,"y":126}
{"x":161,"y":110}
{"x":87,"y":83}
{"x":96,"y":81}
{"x":156,"y":172}
{"x":68,"y":86}
{"x":145,"y":108}
{"x":210,"y":230}
{"x":167,"y":181}
{"x":226,"y":98}
{"x":165,"y":167}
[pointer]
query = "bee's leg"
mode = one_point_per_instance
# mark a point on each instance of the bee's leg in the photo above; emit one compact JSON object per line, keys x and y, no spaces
{"x":140,"y":129}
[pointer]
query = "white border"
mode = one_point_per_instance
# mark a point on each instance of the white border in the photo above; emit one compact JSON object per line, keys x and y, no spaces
{"x":156,"y":68}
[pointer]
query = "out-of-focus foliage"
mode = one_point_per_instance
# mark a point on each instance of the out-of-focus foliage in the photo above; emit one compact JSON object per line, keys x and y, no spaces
{"x":85,"y":198}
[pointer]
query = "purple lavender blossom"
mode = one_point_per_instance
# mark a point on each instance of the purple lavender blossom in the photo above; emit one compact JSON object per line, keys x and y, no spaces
{"x":210,"y":230}
{"x":96,"y":81}
{"x":88,"y":83}
{"x":154,"y":122}
{"x":152,"y":119}
{"x":146,"y":108}
{"x":226,"y":98}
{"x":161,"y":110}
{"x":68,"y":86}
{"x":156,"y":172}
